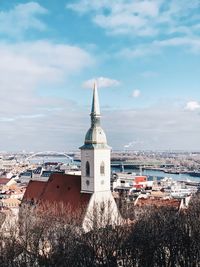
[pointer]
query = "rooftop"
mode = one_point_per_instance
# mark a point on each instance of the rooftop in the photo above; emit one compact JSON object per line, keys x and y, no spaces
{"x":59,"y":189}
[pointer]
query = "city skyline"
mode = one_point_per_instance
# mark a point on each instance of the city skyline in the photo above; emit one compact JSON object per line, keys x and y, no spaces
{"x":143,"y":54}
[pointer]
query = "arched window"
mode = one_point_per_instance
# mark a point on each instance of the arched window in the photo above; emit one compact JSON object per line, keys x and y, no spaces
{"x":87,"y":168}
{"x":102,"y":168}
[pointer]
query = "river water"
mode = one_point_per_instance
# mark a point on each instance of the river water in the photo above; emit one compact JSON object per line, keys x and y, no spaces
{"x":150,"y":173}
{"x":160,"y":174}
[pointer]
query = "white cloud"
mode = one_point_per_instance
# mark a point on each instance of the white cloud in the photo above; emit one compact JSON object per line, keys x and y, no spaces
{"x":177,"y":22}
{"x":133,"y":144}
{"x":85,"y":5}
{"x":157,"y":127}
{"x":117,"y":23}
{"x":192,"y":105}
{"x":140,"y":51}
{"x":192,"y":43}
{"x":102,"y":82}
{"x":136,"y":93}
{"x":27,"y":67}
{"x":22,"y":17}
{"x":140,"y":17}
{"x":11,"y":119}
{"x":121,"y":17}
{"x":179,"y":41}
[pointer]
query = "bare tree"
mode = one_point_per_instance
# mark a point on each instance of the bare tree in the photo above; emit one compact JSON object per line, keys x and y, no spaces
{"x":51,"y":235}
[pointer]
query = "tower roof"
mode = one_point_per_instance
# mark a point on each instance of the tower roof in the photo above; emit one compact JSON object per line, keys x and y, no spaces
{"x":95,"y":136}
{"x":95,"y":101}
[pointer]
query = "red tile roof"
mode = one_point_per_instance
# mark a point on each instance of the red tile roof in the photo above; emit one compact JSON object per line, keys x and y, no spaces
{"x":59,"y":189}
{"x":158,"y":202}
{"x":34,"y":191}
{"x":4,"y":181}
{"x":67,"y":189}
{"x":140,"y":179}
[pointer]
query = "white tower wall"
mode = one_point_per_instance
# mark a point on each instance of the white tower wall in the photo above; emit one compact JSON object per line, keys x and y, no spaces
{"x":99,"y":178}
{"x":95,"y":174}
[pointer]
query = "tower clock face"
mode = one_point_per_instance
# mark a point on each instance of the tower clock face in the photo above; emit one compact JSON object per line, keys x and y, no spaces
{"x":87,"y":182}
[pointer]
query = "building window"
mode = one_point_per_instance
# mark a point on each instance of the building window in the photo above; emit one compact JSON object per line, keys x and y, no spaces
{"x":102,"y":207}
{"x":87,"y":168}
{"x":102,"y":168}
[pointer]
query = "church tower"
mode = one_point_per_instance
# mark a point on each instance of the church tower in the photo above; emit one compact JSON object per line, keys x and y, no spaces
{"x":95,"y":154}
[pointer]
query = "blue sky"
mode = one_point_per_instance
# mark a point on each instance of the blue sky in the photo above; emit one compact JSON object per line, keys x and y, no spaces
{"x":145,"y":56}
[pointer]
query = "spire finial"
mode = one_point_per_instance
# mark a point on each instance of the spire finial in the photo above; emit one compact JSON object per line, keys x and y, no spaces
{"x":95,"y":101}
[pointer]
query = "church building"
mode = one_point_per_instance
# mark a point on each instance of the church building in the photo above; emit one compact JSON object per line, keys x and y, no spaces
{"x":89,"y":192}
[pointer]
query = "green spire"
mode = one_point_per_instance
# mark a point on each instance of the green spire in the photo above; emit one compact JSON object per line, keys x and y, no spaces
{"x":95,"y":111}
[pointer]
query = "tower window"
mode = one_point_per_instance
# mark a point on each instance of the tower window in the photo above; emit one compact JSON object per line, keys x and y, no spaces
{"x":87,"y":169}
{"x":102,"y":168}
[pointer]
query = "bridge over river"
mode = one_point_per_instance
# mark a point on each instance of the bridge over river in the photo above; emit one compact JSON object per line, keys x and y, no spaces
{"x":138,"y":164}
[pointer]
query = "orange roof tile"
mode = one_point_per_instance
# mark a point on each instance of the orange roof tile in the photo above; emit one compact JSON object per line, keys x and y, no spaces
{"x":4,"y":181}
{"x":34,"y":190}
{"x":60,"y":188}
{"x":67,"y":189}
{"x":159,"y":202}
